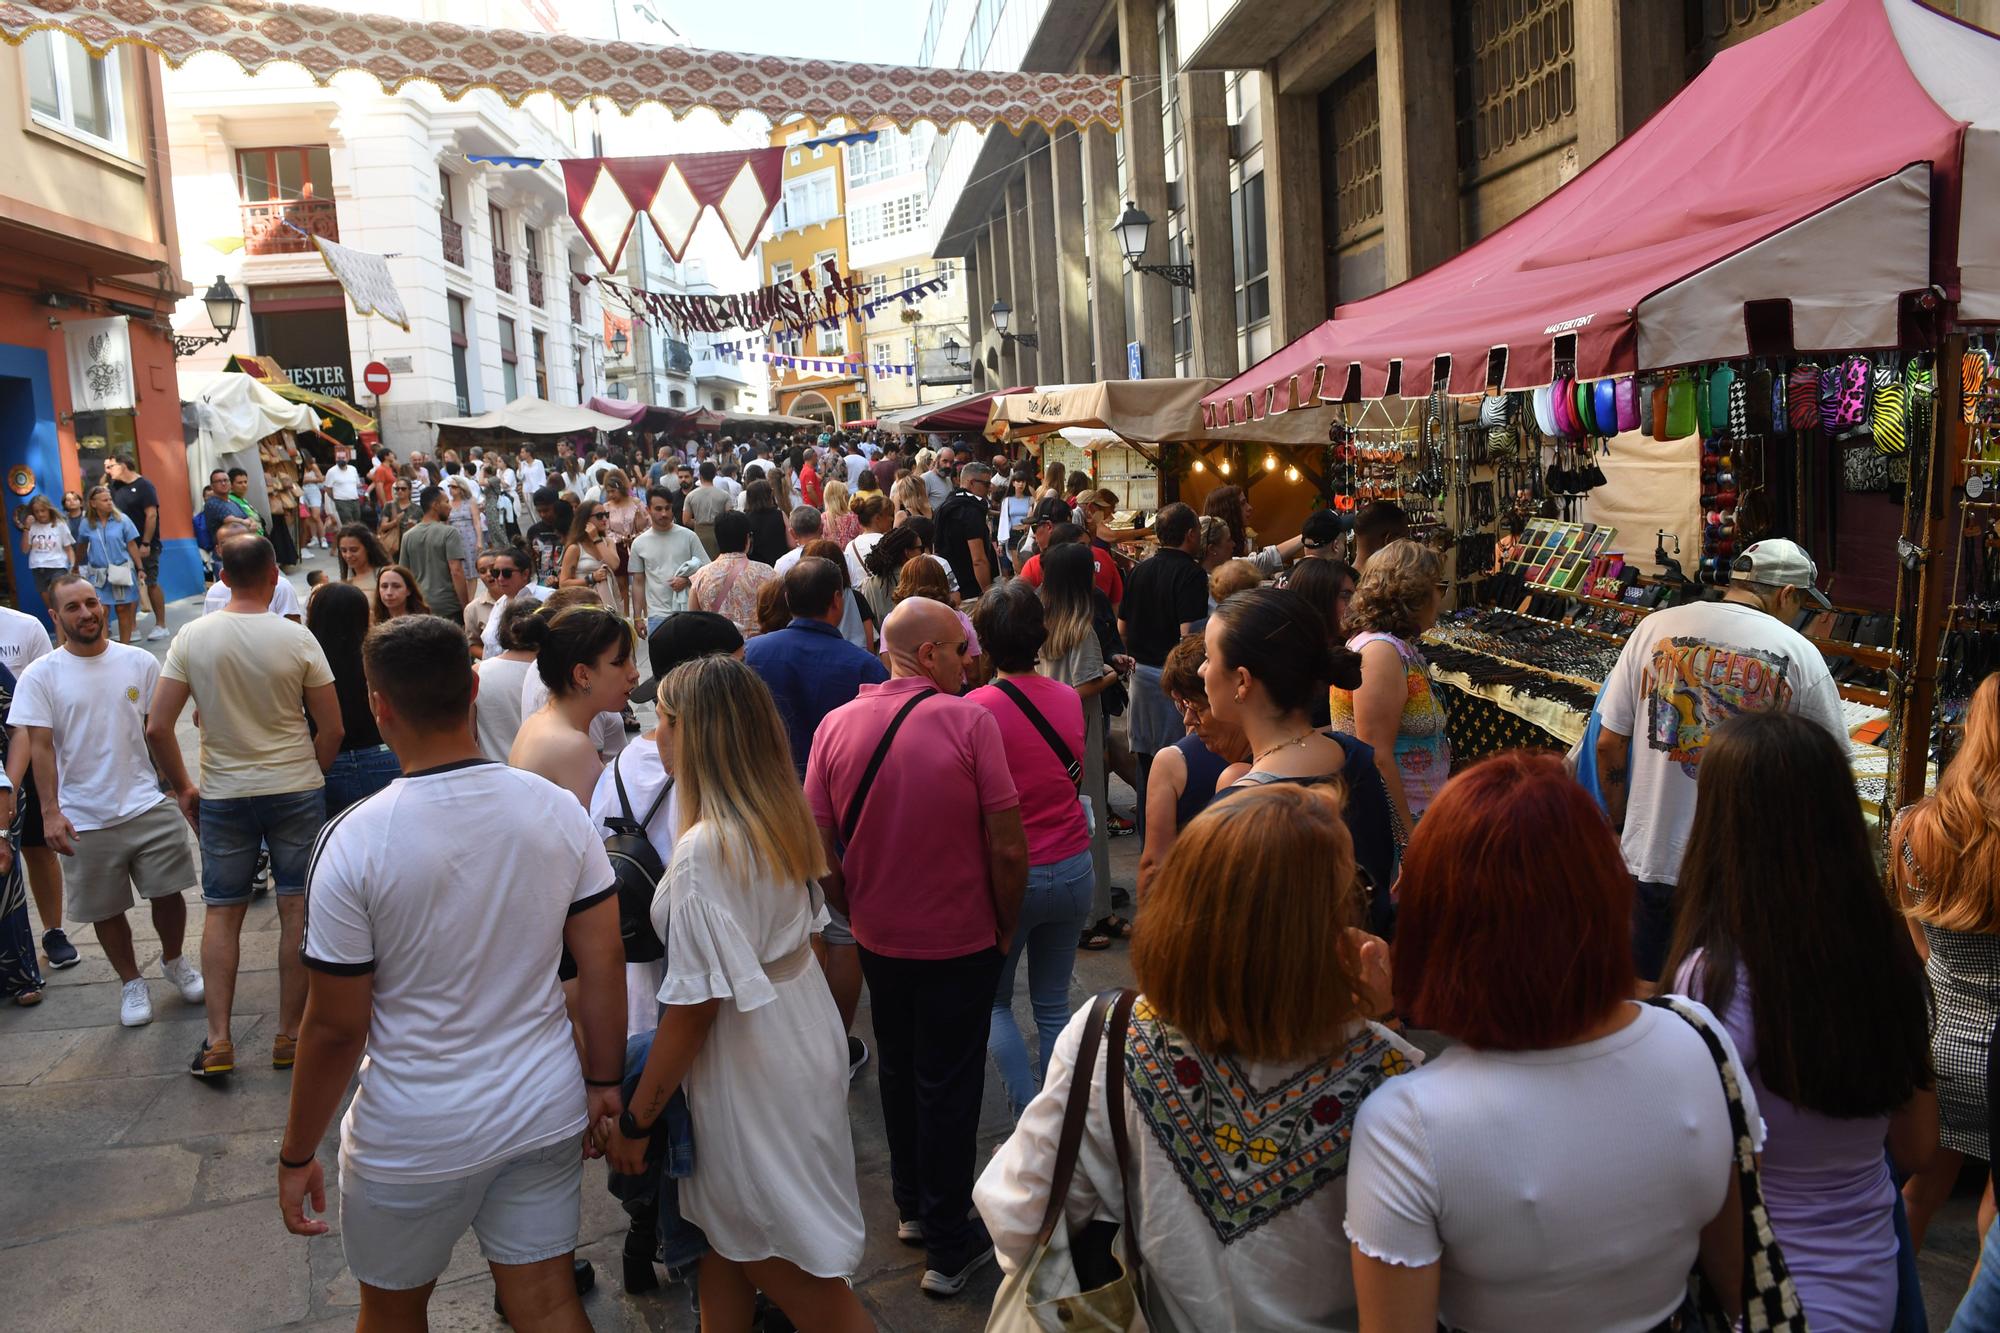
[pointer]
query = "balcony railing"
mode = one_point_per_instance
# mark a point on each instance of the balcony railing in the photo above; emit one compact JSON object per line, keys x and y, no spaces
{"x":453,"y":236}
{"x":503,"y":269}
{"x":265,"y":229}
{"x":575,"y":301}
{"x":534,"y":286}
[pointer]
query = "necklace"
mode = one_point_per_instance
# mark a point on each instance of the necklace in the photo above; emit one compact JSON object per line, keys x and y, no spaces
{"x":1299,"y":739}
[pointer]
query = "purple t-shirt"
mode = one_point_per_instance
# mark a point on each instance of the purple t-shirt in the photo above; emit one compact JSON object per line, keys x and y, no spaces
{"x":1054,"y":818}
{"x":1827,"y":1185}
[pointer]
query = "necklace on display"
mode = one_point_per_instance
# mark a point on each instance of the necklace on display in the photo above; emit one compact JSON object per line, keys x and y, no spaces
{"x":1299,"y":739}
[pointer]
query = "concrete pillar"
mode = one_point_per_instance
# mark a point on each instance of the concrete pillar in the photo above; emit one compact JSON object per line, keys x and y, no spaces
{"x":1419,"y":141}
{"x":1072,"y":263}
{"x":1294,"y":222}
{"x":1107,"y":268}
{"x":1003,"y":289}
{"x":1021,"y":255}
{"x":1146,"y":174}
{"x":982,"y":298}
{"x":975,"y":322}
{"x":1041,"y":217}
{"x":1620,"y":77}
{"x":1205,"y":114}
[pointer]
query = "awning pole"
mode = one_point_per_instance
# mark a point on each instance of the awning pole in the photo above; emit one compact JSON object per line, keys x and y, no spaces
{"x":1923,"y":582}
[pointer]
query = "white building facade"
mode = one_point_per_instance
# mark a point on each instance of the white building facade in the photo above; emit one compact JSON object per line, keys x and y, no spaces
{"x":888,"y":198}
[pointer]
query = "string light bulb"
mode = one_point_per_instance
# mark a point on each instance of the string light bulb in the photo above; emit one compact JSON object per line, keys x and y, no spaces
{"x":1223,"y":467}
{"x":1270,"y":462}
{"x":1291,"y":474}
{"x":1200,"y":466}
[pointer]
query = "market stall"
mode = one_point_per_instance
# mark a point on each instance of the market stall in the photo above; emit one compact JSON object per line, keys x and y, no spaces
{"x":1709,"y":336}
{"x":239,"y":422}
{"x":338,"y":420}
{"x":966,"y":414}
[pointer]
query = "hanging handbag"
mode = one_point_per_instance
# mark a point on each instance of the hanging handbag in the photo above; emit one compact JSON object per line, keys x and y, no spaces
{"x":1802,"y":398}
{"x":1862,"y":470}
{"x":1770,"y":1302}
{"x":1046,"y":1294}
{"x":1887,"y":406}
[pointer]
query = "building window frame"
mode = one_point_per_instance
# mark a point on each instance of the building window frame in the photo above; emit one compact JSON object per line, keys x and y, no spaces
{"x":55,"y":108}
{"x":458,"y":312}
{"x":1252,"y":251}
{"x":273,"y":182}
{"x":539,"y":340}
{"x":510,"y":358}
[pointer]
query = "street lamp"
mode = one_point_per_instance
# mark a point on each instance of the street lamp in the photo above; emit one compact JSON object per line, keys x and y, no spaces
{"x":225,"y":309}
{"x":1003,"y":315}
{"x":1131,"y":229}
{"x":618,"y":344}
{"x":955,"y":356}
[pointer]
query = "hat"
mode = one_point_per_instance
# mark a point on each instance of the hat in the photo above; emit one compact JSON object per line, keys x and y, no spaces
{"x":1778,"y":563}
{"x":1050,"y":510}
{"x":682,"y":637}
{"x":1322,"y":528}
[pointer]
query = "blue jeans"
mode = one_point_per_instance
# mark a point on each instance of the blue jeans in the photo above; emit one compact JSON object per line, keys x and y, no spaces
{"x":359,"y":773}
{"x":669,"y":1161}
{"x":1053,"y":910}
{"x":234,"y":829}
{"x":1979,"y":1312}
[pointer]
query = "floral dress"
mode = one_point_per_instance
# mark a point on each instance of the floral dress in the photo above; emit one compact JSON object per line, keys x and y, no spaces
{"x":1423,"y":753}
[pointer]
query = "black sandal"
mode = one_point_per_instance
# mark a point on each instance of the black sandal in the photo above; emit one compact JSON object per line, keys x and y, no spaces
{"x":1117,"y":927}
{"x":1094,"y":940}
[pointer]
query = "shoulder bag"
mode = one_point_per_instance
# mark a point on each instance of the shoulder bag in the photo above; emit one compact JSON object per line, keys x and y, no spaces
{"x":636,"y":871}
{"x":852,"y":818}
{"x":1770,"y":1302}
{"x":1064,"y":755}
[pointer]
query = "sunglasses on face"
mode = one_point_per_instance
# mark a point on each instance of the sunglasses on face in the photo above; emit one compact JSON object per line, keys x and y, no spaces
{"x":502,"y":573}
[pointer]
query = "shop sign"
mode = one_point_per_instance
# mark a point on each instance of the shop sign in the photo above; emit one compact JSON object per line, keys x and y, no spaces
{"x":100,"y":365}
{"x":329,"y":380}
{"x":1135,"y":361}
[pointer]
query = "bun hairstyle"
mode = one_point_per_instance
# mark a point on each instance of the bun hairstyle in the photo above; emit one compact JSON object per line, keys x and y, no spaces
{"x":568,"y":637}
{"x":896,"y":546}
{"x":515,"y":633}
{"x":1285,"y":643}
{"x":870,"y":507}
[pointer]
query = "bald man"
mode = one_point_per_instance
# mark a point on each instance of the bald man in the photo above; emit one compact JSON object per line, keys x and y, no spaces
{"x":930,"y":944}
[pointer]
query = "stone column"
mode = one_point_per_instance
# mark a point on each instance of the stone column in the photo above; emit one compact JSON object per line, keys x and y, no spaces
{"x":1419,"y":140}
{"x":1294,"y":223}
{"x":1041,"y":219}
{"x":1106,"y":269}
{"x":1002,"y":289}
{"x":1072,"y":263}
{"x":1620,"y":77}
{"x":1146,"y":175}
{"x":976,"y":301}
{"x":1205,"y":138}
{"x":1021,"y":254}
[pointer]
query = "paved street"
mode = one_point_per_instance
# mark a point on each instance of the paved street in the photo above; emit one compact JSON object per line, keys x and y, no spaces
{"x":132,"y":1196}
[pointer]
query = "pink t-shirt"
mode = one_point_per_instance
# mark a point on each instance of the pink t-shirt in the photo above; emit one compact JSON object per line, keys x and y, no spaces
{"x":1054,"y":818}
{"x":918,"y":884}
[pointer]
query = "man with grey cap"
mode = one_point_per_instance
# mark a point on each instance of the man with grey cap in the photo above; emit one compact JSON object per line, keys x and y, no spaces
{"x":965,"y":532}
{"x":1683,"y":672}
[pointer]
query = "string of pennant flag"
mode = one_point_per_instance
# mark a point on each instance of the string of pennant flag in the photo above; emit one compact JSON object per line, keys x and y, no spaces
{"x":824,"y":298}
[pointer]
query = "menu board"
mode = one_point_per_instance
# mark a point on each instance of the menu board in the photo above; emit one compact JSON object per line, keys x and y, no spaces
{"x":1556,"y":556}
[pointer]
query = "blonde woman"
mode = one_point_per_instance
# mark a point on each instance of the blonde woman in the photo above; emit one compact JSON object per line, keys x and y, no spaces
{"x":749,"y":1028}
{"x":1053,"y":484}
{"x":841,"y":524}
{"x":1394,"y":709}
{"x":911,"y":499}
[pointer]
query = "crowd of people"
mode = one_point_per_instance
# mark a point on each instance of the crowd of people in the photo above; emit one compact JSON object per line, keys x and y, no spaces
{"x":1624,"y":1040}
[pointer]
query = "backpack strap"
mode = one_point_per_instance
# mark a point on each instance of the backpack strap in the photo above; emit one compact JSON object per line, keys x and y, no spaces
{"x":1064,"y":755}
{"x":853,"y":816}
{"x":625,"y":802}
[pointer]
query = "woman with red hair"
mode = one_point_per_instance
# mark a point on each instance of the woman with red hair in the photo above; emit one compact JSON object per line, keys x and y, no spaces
{"x":1563,"y":1166}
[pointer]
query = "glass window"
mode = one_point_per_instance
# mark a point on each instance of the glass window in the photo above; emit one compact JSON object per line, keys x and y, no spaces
{"x":284,"y":173}
{"x":460,"y":372}
{"x":1253,"y":287}
{"x":675,"y":398}
{"x":509,"y":360}
{"x":531,"y":246}
{"x":879,"y":351}
{"x":833,"y":341}
{"x":781,"y":272}
{"x":808,"y":200}
{"x":541,"y":342}
{"x":445,"y":205}
{"x":73,"y":92}
{"x":912,"y":275}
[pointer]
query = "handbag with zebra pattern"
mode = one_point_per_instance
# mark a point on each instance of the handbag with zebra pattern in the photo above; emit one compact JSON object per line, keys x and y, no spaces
{"x":1888,"y":412}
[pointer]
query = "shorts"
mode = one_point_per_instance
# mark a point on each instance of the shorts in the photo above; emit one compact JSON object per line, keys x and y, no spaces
{"x":45,"y":576}
{"x":837,"y":931}
{"x":28,"y":812}
{"x":235,"y":828}
{"x":149,"y":560}
{"x":148,"y":852}
{"x":398,"y":1234}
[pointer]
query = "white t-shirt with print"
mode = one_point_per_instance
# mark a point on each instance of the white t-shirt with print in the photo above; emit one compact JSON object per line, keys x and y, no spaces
{"x":49,"y":545}
{"x":22,"y":640}
{"x":1685,"y":671}
{"x":470,"y":1059}
{"x":95,"y":710}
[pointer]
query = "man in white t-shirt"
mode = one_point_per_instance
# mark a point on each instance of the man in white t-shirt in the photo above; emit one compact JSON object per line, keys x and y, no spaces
{"x":254,"y":677}
{"x":343,"y":487}
{"x":22,"y":641}
{"x":434,"y":946}
{"x":664,"y":559}
{"x":83,"y":711}
{"x":284,"y":597}
{"x":805,"y":525}
{"x":1683,"y":672}
{"x":511,"y":573}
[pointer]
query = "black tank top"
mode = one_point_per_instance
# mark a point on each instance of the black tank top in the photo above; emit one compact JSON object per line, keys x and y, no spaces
{"x":1204,"y":766}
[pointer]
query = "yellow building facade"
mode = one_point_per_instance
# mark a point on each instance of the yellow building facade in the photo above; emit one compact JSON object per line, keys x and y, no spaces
{"x":808,"y":229}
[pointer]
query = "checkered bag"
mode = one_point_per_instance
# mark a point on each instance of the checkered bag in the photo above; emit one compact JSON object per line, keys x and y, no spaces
{"x":1770,"y":1303}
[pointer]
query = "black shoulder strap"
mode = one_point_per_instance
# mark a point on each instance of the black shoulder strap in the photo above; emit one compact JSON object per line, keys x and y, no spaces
{"x":625,"y":802}
{"x":1064,"y":755}
{"x":853,"y":816}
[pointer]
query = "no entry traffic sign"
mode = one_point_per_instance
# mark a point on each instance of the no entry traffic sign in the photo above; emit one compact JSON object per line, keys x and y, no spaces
{"x":375,"y":377}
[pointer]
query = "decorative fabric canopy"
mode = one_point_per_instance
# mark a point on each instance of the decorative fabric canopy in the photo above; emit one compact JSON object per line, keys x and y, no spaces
{"x":1814,"y":177}
{"x":529,"y":415}
{"x":458,"y":58}
{"x":608,"y":195}
{"x":967,"y":412}
{"x":1148,"y":411}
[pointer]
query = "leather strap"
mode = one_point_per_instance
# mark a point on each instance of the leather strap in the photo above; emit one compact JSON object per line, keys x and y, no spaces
{"x":1064,"y":755}
{"x":1114,"y":1096}
{"x":1076,"y":1108}
{"x":853,"y":816}
{"x":625,"y":802}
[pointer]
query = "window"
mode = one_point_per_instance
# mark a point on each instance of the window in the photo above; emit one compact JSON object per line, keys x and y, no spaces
{"x":497,"y":220}
{"x":285,"y":173}
{"x":715,"y":401}
{"x":460,"y":377}
{"x":1253,"y":287}
{"x":73,"y":93}
{"x":984,"y":20}
{"x":531,"y":246}
{"x":510,"y":357}
{"x":445,"y":204}
{"x":820,"y":261}
{"x":781,"y":272}
{"x":1183,"y":299}
{"x":879,"y":351}
{"x":675,"y":398}
{"x":808,"y":200}
{"x":878,"y":219}
{"x":947,"y":269}
{"x":833,"y":341}
{"x":541,"y":342}
{"x":912,"y":275}
{"x":891,"y":154}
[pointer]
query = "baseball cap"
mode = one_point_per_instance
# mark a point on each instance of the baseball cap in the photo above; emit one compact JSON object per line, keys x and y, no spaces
{"x":682,"y":637}
{"x":1779,"y":563}
{"x":1322,"y":528}
{"x":1049,"y":510}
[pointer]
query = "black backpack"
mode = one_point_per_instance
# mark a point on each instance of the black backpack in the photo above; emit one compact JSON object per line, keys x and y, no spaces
{"x":636,"y":872}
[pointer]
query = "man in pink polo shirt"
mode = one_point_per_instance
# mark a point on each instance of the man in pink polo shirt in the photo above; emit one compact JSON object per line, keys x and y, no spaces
{"x":929,"y":865}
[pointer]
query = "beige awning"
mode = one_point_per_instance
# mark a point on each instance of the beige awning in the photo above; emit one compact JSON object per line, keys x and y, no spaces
{"x":1145,"y":411}
{"x":536,"y":416}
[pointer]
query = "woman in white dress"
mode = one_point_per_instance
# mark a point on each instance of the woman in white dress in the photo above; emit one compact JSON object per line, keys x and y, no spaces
{"x":749,"y":1027}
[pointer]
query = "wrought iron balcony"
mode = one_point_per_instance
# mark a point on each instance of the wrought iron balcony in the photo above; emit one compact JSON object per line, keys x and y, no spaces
{"x":453,"y":236}
{"x":534,"y":286}
{"x":503,"y":269}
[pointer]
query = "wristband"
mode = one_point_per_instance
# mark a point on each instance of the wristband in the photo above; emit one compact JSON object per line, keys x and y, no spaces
{"x":290,"y":1165}
{"x":604,"y":1083}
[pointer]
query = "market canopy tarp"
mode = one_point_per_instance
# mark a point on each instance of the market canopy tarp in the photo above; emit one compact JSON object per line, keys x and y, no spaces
{"x":233,"y":414}
{"x":1801,"y":168}
{"x":967,"y":412}
{"x":273,"y":377}
{"x":536,"y":416}
{"x":1148,"y":411}
{"x":458,"y":58}
{"x":643,"y":416}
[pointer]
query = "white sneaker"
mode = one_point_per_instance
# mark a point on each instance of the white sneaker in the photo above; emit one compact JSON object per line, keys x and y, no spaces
{"x":181,"y":972}
{"x":135,"y":1005}
{"x":156,"y":633}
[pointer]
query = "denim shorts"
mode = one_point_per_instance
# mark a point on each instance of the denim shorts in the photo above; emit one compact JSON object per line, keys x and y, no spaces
{"x":359,"y":773}
{"x":234,"y":828}
{"x":398,"y":1234}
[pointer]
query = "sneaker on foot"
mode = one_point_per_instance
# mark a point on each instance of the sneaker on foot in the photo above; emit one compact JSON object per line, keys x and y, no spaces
{"x":857,"y":1056}
{"x":947,"y":1274}
{"x":181,"y":972}
{"x":135,"y":1005}
{"x":909,"y":1231}
{"x":61,"y":953}
{"x":284,"y":1051}
{"x":213,"y":1060}
{"x":1120,"y":826}
{"x":156,"y":633}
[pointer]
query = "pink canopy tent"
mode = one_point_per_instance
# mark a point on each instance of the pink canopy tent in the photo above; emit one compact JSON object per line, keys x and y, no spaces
{"x":966,"y":413}
{"x":1805,"y":168}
